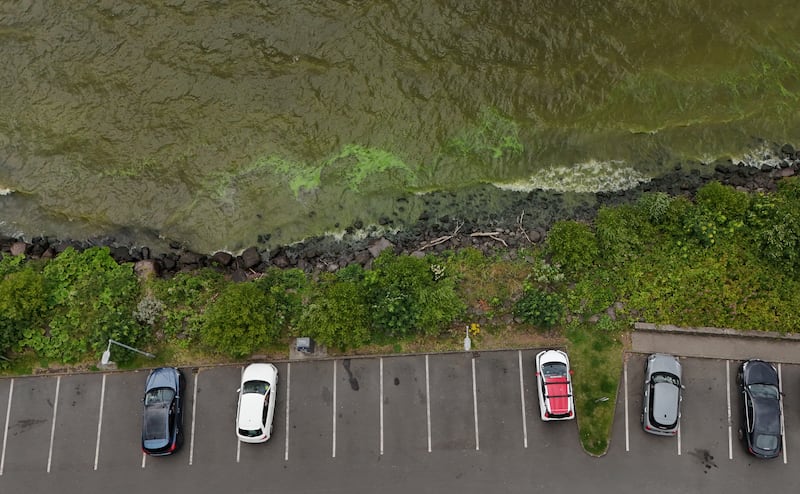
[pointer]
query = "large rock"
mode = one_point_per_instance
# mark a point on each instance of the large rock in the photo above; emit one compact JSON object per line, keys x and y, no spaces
{"x":379,"y":246}
{"x":251,"y":258}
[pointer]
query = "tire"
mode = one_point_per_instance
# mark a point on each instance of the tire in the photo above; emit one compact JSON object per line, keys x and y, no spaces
{"x":740,"y":433}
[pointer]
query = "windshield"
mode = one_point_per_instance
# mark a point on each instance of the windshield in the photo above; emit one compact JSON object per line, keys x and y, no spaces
{"x":554,"y":369}
{"x":159,"y":397}
{"x":764,"y":391}
{"x":664,"y":377}
{"x":250,"y":433}
{"x":260,"y":387}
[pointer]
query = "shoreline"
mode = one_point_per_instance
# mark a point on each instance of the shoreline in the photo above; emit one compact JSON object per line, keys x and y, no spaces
{"x":484,"y":217}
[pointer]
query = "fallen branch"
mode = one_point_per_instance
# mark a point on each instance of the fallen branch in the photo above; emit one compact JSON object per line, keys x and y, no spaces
{"x":492,"y":235}
{"x":522,"y":228}
{"x":443,"y":239}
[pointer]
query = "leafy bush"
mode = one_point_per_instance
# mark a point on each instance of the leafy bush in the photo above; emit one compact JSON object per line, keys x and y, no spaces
{"x":621,"y":233}
{"x":655,"y":206}
{"x":287,"y":288}
{"x":338,"y":316}
{"x":724,"y":200}
{"x":539,"y":307}
{"x":240,"y":321}
{"x":185,"y":298}
{"x":404,"y":298}
{"x":90,"y":299}
{"x":22,"y":306}
{"x":572,"y":245}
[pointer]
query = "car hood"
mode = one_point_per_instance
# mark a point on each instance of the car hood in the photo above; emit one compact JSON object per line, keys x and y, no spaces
{"x":162,"y":378}
{"x":665,"y":363}
{"x":665,"y":401}
{"x":760,"y":372}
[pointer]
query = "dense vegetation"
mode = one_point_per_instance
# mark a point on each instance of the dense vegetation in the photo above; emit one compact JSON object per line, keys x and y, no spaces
{"x":727,"y":259}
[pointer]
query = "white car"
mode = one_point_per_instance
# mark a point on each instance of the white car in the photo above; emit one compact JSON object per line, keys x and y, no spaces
{"x":554,"y":384}
{"x":256,"y":407}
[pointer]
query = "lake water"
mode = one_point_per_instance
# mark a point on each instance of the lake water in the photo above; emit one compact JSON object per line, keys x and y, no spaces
{"x":223,"y":124}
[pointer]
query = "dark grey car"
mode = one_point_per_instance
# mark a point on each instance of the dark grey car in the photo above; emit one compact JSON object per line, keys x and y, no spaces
{"x":162,"y":417}
{"x":761,"y":408}
{"x":661,"y":404}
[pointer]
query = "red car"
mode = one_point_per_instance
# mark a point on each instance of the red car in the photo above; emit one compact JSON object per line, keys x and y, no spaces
{"x":554,"y":384}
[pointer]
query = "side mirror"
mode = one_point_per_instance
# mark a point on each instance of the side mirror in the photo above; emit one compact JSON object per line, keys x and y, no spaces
{"x":238,"y":389}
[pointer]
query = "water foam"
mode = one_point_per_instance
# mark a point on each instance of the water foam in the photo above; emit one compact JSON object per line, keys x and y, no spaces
{"x":593,"y":176}
{"x":761,"y":157}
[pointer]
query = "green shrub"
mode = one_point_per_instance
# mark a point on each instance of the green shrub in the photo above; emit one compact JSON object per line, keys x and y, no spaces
{"x":723,"y":200}
{"x":22,"y":306}
{"x":185,"y":297}
{"x":338,"y":315}
{"x":405,"y":299}
{"x":241,"y":320}
{"x":287,"y":288}
{"x":90,"y":299}
{"x":621,"y":233}
{"x":539,"y":308}
{"x":572,"y":245}
{"x":655,"y":206}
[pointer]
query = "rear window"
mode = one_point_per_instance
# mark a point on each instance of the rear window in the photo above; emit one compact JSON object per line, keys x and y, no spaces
{"x":250,"y":433}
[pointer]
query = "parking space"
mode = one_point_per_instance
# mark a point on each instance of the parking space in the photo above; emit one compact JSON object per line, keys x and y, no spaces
{"x":454,"y":424}
{"x":214,"y":440}
{"x":311,"y":411}
{"x":30,"y":425}
{"x":501,"y":424}
{"x":405,"y":405}
{"x":358,"y":408}
{"x":121,"y":426}
{"x":271,"y":453}
{"x":75,"y":435}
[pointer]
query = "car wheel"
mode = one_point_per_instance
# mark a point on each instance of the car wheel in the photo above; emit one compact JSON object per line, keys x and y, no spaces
{"x":740,"y":433}
{"x":641,"y":418}
{"x":739,"y":378}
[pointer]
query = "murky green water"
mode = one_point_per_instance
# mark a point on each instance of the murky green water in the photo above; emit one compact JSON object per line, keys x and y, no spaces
{"x":215,"y":122}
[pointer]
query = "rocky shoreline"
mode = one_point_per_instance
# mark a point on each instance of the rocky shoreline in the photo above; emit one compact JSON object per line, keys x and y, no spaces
{"x":450,"y":220}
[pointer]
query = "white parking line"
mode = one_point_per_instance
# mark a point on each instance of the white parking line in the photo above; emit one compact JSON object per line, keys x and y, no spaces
{"x":427,"y":405}
{"x":730,"y":422}
{"x":238,"y":442}
{"x":53,"y":425}
{"x":780,"y":402}
{"x":381,"y":403}
{"x":333,"y":452}
{"x":288,"y":388}
{"x":625,"y":382}
{"x":194,"y":418}
{"x":475,"y":406}
{"x":144,"y":457}
{"x":99,"y":422}
{"x":522,"y":401}
{"x":679,"y":436}
{"x":5,"y":430}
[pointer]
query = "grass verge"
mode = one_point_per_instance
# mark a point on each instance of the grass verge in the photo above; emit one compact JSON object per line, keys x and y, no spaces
{"x":596,"y":353}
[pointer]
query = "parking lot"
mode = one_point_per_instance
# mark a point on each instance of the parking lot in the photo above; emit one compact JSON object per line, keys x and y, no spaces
{"x":453,"y":422}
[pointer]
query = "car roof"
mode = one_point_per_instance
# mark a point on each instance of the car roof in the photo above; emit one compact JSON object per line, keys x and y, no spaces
{"x":251,"y":408}
{"x":666,"y":397}
{"x":766,"y":416}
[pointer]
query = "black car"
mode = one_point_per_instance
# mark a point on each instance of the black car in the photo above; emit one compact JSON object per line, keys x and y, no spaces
{"x":761,"y":405}
{"x":162,"y":420}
